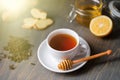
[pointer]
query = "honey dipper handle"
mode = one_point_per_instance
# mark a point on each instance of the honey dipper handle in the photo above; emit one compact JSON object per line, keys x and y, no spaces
{"x":108,"y":52}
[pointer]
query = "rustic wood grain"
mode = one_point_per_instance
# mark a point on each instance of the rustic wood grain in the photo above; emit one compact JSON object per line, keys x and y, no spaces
{"x":104,"y":68}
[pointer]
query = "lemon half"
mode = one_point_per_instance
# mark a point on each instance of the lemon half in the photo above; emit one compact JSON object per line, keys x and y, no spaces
{"x":101,"y":26}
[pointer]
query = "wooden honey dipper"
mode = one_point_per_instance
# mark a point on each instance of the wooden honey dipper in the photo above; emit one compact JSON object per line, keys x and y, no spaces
{"x":67,"y":64}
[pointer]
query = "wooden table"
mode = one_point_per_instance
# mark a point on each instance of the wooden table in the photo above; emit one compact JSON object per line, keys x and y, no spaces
{"x":104,"y":68}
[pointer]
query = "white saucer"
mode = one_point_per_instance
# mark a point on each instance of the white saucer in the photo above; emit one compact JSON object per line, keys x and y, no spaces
{"x":51,"y":64}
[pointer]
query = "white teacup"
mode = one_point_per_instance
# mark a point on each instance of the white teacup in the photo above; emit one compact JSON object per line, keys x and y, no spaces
{"x":64,"y":52}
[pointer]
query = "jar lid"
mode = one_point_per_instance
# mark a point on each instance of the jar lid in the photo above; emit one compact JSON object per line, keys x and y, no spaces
{"x":114,"y":7}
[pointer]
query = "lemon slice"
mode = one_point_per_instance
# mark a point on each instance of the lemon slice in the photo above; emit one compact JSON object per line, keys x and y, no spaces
{"x":101,"y":26}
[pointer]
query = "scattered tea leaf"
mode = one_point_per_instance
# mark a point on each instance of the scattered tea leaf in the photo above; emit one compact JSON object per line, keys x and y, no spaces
{"x":19,"y":49}
{"x":33,"y":64}
{"x":0,"y":59}
{"x":2,"y":56}
{"x":12,"y":67}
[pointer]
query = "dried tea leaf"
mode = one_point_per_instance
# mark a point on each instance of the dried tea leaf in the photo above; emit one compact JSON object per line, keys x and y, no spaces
{"x":2,"y":56}
{"x":0,"y":59}
{"x":33,"y":64}
{"x":12,"y":67}
{"x":19,"y":49}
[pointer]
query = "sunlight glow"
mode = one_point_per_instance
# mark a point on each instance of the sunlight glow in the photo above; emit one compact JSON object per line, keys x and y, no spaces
{"x":13,"y":5}
{"x":12,"y":9}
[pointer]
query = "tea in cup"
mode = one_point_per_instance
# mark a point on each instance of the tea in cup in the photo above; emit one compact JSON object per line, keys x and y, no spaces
{"x":63,"y":43}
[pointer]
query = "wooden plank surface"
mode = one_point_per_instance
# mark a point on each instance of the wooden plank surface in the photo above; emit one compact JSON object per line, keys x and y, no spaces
{"x":104,"y":68}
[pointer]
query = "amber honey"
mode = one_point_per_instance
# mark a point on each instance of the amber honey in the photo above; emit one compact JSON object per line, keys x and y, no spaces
{"x":87,"y":9}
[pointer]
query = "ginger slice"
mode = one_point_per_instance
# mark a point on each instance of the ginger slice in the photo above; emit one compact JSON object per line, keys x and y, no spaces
{"x":44,"y":23}
{"x":29,"y":23}
{"x":39,"y":14}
